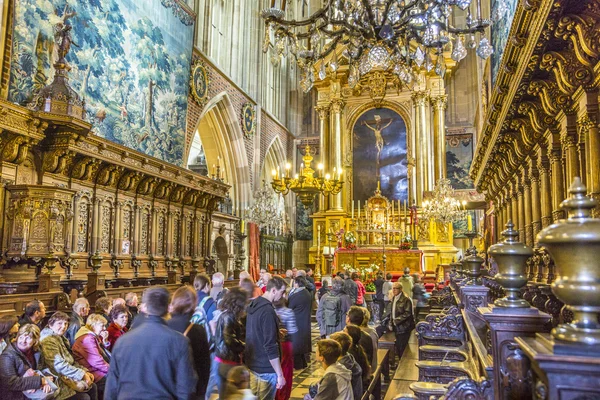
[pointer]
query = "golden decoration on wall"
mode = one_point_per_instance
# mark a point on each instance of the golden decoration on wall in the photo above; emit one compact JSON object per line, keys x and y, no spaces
{"x":199,"y":82}
{"x":248,"y":119}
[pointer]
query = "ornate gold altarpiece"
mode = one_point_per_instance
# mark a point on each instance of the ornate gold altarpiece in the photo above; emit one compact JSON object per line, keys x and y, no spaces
{"x":339,"y":106}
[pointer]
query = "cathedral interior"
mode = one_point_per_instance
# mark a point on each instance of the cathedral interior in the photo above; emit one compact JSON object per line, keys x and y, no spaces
{"x":145,"y":142}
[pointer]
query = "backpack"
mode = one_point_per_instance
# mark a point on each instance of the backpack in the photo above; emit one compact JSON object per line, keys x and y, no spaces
{"x":200,"y":318}
{"x":332,"y":309}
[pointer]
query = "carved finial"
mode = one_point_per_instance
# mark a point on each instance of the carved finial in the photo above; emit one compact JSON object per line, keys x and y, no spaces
{"x":578,"y":206}
{"x":510,"y":235}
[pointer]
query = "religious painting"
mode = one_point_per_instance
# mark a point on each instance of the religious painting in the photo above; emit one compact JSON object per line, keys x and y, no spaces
{"x":130,"y":61}
{"x":503,"y":12}
{"x":459,"y":156}
{"x":304,"y":228}
{"x":379,"y":155}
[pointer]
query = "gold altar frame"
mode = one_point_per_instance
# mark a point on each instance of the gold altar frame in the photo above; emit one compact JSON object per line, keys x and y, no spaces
{"x":354,"y":114}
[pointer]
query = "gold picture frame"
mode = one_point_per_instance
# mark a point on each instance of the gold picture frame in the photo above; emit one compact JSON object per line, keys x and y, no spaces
{"x":199,"y":82}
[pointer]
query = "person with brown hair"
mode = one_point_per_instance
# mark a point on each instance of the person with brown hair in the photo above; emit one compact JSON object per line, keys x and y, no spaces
{"x":181,"y":308}
{"x":229,"y":338}
{"x":35,"y":312}
{"x":18,"y":363}
{"x":358,"y":352}
{"x":206,"y":307}
{"x":103,"y":306}
{"x":118,"y":327}
{"x":9,"y":325}
{"x":336,"y":382}
{"x":60,"y":361}
{"x":348,"y":361}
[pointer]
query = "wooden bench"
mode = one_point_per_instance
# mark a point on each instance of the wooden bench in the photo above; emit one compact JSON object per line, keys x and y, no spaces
{"x":442,"y":372}
{"x":388,"y":342}
{"x":439,"y":353}
{"x":425,"y":390}
{"x":14,"y":304}
{"x":375,"y":385}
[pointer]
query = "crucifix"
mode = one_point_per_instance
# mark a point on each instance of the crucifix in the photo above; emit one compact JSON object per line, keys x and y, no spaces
{"x":377,"y":128}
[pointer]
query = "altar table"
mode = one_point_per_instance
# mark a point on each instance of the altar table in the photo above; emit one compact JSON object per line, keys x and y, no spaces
{"x":396,"y":259}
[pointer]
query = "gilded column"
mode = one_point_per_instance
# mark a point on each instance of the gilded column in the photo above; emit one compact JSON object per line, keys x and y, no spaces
{"x":439,"y":135}
{"x":96,"y":224}
{"x":593,"y":147}
{"x":118,"y":223}
{"x":569,"y":146}
{"x":527,"y":208}
{"x":323,"y":113}
{"x":420,"y":151}
{"x":74,"y":229}
{"x":335,"y":147}
{"x":558,"y":192}
{"x":536,"y":203}
{"x":507,"y":204}
{"x":514,"y":203}
{"x":520,"y":207}
{"x":543,"y":167}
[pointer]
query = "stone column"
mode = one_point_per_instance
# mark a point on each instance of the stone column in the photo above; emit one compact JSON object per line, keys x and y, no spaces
{"x":420,"y":150}
{"x":558,"y":192}
{"x":323,"y":113}
{"x":543,"y":167}
{"x":439,"y":135}
{"x":527,"y":206}
{"x":335,"y":148}
{"x":536,"y":204}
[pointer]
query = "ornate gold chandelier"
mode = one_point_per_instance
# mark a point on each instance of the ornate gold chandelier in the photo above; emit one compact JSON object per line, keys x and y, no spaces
{"x":443,"y":207}
{"x":400,"y":36}
{"x":308,"y":182}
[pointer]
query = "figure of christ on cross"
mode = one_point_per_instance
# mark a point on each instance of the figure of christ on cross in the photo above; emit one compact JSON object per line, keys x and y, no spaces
{"x":377,"y":128}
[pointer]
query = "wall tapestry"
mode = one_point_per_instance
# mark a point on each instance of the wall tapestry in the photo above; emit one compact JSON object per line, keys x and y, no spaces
{"x":130,"y":61}
{"x":459,"y":156}
{"x":503,"y":12}
{"x":379,"y":154}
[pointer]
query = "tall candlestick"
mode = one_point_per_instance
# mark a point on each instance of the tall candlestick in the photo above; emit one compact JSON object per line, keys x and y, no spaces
{"x":358,"y":209}
{"x":319,"y":235}
{"x":352,"y":209}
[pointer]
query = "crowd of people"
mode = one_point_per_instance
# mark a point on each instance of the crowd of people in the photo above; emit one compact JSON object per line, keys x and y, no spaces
{"x":239,"y":342}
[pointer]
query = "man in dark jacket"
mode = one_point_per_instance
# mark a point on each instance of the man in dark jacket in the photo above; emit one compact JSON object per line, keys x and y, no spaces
{"x":379,"y":295}
{"x":351,"y":288}
{"x":262,"y":342}
{"x":356,"y":316}
{"x":399,"y":319}
{"x":81,"y":309}
{"x":152,"y":361}
{"x":35,"y":312}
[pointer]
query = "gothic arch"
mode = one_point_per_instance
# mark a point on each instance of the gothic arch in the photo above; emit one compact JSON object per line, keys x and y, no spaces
{"x":221,"y":135}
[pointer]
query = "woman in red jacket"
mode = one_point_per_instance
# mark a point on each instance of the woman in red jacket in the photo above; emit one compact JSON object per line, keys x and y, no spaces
{"x":118,"y":326}
{"x":360,"y":298}
{"x":89,"y":349}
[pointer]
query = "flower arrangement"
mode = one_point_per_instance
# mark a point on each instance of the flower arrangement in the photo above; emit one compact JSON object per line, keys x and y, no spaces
{"x":339,"y":236}
{"x":406,"y":242}
{"x":350,"y":240}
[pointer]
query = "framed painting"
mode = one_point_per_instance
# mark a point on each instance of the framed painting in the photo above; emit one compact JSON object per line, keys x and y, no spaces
{"x":379,"y":155}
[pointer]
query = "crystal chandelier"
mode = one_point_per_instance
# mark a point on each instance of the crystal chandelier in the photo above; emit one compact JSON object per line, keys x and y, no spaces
{"x":443,"y":207}
{"x":308,"y":183}
{"x":399,"y":36}
{"x":264,"y":212}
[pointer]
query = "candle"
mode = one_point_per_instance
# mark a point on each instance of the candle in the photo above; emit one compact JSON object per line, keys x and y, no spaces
{"x":358,"y":209}
{"x":469,"y":223}
{"x":243,"y":226}
{"x":352,"y":209}
{"x":214,"y":169}
{"x":218,"y":160}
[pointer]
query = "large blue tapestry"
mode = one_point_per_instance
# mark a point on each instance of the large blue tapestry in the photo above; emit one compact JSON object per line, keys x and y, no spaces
{"x":130,"y":61}
{"x":379,"y":153}
{"x":504,"y":12}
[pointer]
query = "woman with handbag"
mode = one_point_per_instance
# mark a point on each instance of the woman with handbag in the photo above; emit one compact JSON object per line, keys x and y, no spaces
{"x":74,"y":381}
{"x":18,"y":364}
{"x":182,"y":307}
{"x":229,"y":339}
{"x":89,"y":349}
